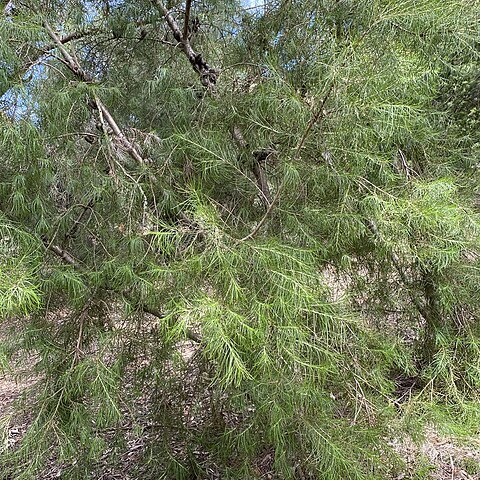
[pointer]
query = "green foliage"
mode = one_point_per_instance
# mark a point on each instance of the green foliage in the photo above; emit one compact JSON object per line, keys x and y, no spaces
{"x":255,"y":250}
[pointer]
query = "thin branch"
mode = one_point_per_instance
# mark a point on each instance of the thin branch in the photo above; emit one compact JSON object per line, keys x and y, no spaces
{"x":318,"y":116}
{"x":238,"y":137}
{"x":80,"y":316}
{"x":172,"y":23}
{"x":131,"y":149}
{"x":69,"y":259}
{"x":156,"y":313}
{"x":65,"y":256}
{"x":265,"y":216}
{"x":72,"y":231}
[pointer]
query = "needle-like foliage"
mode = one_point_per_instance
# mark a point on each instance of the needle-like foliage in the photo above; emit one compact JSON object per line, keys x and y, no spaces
{"x":233,"y":228}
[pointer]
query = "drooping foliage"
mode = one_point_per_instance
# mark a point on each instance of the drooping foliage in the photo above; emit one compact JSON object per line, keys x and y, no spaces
{"x":251,"y":220}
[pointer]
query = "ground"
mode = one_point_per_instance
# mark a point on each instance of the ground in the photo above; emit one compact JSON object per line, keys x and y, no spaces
{"x":439,"y":457}
{"x":11,"y":428}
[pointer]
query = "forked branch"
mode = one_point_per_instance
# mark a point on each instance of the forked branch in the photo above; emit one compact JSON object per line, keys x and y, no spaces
{"x":82,"y":75}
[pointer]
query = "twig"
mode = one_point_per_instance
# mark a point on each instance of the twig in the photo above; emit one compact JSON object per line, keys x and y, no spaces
{"x":65,"y":256}
{"x":78,"y":344}
{"x":406,"y":167}
{"x":73,"y":229}
{"x":265,"y":216}
{"x":238,"y":137}
{"x":315,"y":118}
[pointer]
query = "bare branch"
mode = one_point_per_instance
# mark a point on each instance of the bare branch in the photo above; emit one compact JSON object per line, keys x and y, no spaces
{"x":208,"y":75}
{"x":69,"y":60}
{"x":78,"y":71}
{"x":187,"y":19}
{"x":238,"y":137}
{"x":41,"y":52}
{"x":64,"y":255}
{"x":131,"y":149}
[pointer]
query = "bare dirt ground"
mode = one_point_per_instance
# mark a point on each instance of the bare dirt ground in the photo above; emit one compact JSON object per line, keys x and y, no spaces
{"x":439,"y":457}
{"x":11,"y":427}
{"x":10,"y":389}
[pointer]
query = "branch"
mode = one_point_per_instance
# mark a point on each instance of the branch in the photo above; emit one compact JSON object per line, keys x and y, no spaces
{"x":208,"y":75}
{"x":156,"y":313}
{"x":129,"y":146}
{"x":74,"y":66}
{"x":78,"y":71}
{"x":7,"y":6}
{"x":398,"y":267}
{"x":65,"y":256}
{"x":187,"y":19}
{"x":264,"y":218}
{"x":74,"y":228}
{"x":317,"y":117}
{"x":69,"y":259}
{"x":238,"y":137}
{"x":69,"y":60}
{"x":20,"y":72}
{"x":260,"y":158}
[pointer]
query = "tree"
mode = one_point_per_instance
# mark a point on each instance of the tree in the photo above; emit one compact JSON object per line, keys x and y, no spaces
{"x":237,"y":212}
